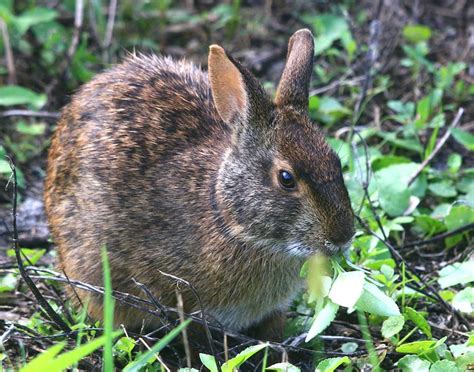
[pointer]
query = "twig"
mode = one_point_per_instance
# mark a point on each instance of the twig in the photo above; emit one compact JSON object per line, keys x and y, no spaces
{"x":78,"y":18}
{"x":8,"y":53}
{"x":110,"y":24}
{"x":39,"y":114}
{"x":440,"y":144}
{"x":371,"y":58}
{"x":447,"y":234}
{"x":184,"y":333}
{"x":203,"y":313}
{"x":16,"y":245}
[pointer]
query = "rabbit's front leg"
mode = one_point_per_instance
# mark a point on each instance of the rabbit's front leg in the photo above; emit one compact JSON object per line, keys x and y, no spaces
{"x":269,"y":328}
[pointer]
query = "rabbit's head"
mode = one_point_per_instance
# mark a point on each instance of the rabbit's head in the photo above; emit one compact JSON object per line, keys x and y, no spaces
{"x":280,"y":185}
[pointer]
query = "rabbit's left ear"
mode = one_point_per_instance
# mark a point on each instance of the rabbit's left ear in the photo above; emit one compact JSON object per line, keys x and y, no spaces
{"x":294,"y":84}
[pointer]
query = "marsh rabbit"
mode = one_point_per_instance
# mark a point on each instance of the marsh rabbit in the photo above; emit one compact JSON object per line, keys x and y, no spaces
{"x":200,"y":175}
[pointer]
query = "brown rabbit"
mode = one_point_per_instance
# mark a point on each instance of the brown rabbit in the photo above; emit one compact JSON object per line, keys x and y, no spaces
{"x":202,"y":177}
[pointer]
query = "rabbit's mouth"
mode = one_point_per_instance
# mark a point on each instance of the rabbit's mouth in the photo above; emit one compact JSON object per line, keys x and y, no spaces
{"x":328,"y":248}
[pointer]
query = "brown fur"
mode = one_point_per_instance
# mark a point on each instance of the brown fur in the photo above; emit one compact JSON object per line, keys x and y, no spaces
{"x":145,"y":163}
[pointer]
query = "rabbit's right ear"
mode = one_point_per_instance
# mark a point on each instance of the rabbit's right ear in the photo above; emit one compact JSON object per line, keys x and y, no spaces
{"x":237,"y":94}
{"x":227,"y":85}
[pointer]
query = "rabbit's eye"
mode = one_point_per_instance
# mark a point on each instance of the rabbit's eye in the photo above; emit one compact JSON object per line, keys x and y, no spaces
{"x":286,"y":180}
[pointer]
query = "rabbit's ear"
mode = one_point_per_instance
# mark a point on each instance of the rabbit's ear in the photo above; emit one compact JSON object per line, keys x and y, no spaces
{"x":236,"y":93}
{"x":227,"y":84}
{"x":294,"y":84}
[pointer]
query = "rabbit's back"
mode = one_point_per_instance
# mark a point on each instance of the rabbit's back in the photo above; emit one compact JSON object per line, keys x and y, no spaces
{"x":130,"y":167}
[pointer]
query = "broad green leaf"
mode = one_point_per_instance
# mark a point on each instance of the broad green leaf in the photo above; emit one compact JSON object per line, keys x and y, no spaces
{"x":457,"y":273}
{"x":283,"y":367}
{"x":454,"y":162}
{"x":458,"y":216}
{"x":347,"y":288}
{"x":444,"y":366}
{"x":417,"y":33}
{"x":374,"y":301}
{"x":419,"y":320}
{"x":31,"y":129}
{"x":465,"y":361}
{"x":8,"y":282}
{"x":209,"y":362}
{"x":139,"y":363}
{"x":444,"y":188}
{"x":238,"y":360}
{"x":464,"y":138}
{"x":322,"y":320}
{"x":411,"y":363}
{"x":429,"y":225}
{"x":392,"y":326}
{"x":394,"y":194}
{"x":331,"y":364}
{"x":11,"y":95}
{"x":416,"y":347}
{"x":349,"y":347}
{"x":464,"y":300}
{"x":330,"y":110}
{"x":34,"y":16}
{"x":461,"y":349}
{"x":329,"y":28}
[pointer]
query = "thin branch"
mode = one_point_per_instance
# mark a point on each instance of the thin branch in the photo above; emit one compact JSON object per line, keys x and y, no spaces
{"x":16,"y":246}
{"x":447,"y":234}
{"x":438,"y":147}
{"x":110,"y":24}
{"x":8,"y":53}
{"x":78,"y":18}
{"x":203,"y":312}
{"x":39,"y":114}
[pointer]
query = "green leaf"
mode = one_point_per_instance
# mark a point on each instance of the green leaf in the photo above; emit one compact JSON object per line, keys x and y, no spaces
{"x":464,"y":300}
{"x":349,"y":347}
{"x":374,"y":301}
{"x":444,"y":188}
{"x":34,"y":129}
{"x":68,"y":359}
{"x":392,"y":326}
{"x":394,"y":195}
{"x":416,"y":33}
{"x":283,"y":367}
{"x":458,"y":216}
{"x":454,"y":162}
{"x":8,"y":282}
{"x":322,"y":320}
{"x":209,"y":362}
{"x":416,"y":347}
{"x":238,"y":360}
{"x":12,"y":95}
{"x":43,"y":360}
{"x":33,"y":17}
{"x":419,"y":320}
{"x":330,"y":110}
{"x":444,"y":366}
{"x":347,"y":288}
{"x":108,"y":314}
{"x":331,"y":364}
{"x":411,"y":363}
{"x":457,"y":273}
{"x":464,"y":138}
{"x":329,"y":28}
{"x":139,"y":363}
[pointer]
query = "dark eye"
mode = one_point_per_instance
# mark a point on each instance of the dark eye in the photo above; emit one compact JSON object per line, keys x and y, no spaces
{"x":286,"y":179}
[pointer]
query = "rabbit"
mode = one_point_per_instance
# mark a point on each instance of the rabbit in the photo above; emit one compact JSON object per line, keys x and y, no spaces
{"x":199,"y":175}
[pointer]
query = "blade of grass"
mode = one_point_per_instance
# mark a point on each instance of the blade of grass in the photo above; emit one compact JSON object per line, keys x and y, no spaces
{"x":364,"y":328}
{"x":142,"y":361}
{"x":108,"y":314}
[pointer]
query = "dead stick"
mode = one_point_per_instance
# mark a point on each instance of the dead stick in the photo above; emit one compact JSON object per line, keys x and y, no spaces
{"x":8,"y":53}
{"x":440,"y":144}
{"x":16,"y":245}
